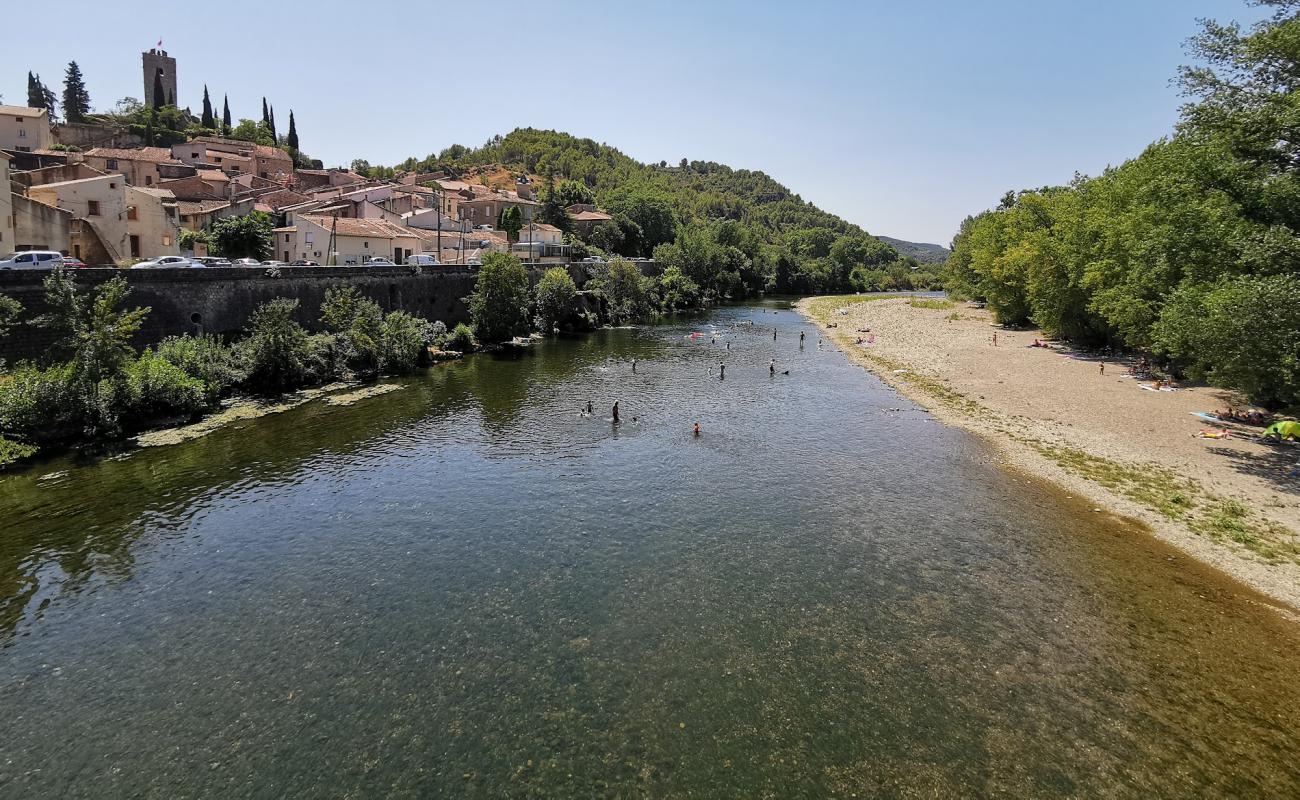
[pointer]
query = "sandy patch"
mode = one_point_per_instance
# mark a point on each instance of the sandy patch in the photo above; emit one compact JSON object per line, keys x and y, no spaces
{"x":1056,"y":415}
{"x":349,"y":398}
{"x":234,"y":410}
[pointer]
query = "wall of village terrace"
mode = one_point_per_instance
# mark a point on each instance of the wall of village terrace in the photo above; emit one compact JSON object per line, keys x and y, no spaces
{"x":220,"y":301}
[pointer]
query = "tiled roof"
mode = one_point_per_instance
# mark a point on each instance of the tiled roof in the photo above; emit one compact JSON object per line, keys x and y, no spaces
{"x":590,"y":216}
{"x":281,"y":198}
{"x":212,"y":175}
{"x":155,"y":155}
{"x":372,"y":228}
{"x":21,"y":111}
{"x":189,"y":207}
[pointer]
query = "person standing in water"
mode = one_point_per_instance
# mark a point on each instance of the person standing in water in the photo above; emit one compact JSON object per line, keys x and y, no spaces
{"x":728,"y":344}
{"x":697,"y":430}
{"x":801,"y":339}
{"x":615,"y":412}
{"x":589,"y":407}
{"x":634,"y":365}
{"x":774,"y":334}
{"x":771,"y":368}
{"x":722,"y":372}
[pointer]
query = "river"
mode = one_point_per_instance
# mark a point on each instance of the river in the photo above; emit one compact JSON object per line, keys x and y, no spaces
{"x":465,"y":588}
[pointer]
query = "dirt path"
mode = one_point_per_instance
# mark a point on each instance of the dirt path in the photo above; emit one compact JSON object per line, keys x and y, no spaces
{"x":1231,"y":502}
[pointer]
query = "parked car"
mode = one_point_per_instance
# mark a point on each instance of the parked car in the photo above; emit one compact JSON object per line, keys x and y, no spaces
{"x":33,"y":259}
{"x":75,"y":263}
{"x":379,"y":262}
{"x":246,"y":262}
{"x":593,"y":260}
{"x":164,"y":262}
{"x":210,"y":261}
{"x":303,"y":263}
{"x":421,"y":261}
{"x":275,"y":264}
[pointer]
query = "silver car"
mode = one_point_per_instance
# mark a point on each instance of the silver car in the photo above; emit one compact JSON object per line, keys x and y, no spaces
{"x":33,"y":259}
{"x":165,"y":262}
{"x":246,"y":262}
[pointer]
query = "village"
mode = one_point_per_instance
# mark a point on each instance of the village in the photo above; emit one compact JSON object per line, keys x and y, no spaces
{"x":101,"y":197}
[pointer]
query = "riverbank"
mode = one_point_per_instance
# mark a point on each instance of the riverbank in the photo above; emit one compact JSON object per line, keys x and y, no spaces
{"x":1057,"y":415}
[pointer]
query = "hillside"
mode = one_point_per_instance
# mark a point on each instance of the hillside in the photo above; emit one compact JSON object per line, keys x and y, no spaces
{"x":923,"y":252}
{"x":731,"y":230}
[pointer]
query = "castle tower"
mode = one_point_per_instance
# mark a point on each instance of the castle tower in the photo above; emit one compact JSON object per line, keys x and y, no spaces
{"x":157,"y":62}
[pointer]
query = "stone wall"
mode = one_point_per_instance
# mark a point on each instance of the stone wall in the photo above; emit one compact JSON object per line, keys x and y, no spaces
{"x":220,"y":301}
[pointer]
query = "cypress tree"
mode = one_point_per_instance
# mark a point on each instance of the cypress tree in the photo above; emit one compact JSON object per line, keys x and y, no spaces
{"x":76,"y":100}
{"x":225,"y":115}
{"x":34,"y":97}
{"x":208,"y":121}
{"x":159,"y":96}
{"x":292,"y":141}
{"x":271,"y":125}
{"x":266,"y":115}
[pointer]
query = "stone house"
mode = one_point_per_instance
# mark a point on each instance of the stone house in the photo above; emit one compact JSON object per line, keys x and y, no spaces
{"x":7,"y":241}
{"x":98,"y":233}
{"x":585,"y":217}
{"x":355,"y":241}
{"x":486,"y":209}
{"x":139,"y":166}
{"x":152,"y":223}
{"x":24,"y":129}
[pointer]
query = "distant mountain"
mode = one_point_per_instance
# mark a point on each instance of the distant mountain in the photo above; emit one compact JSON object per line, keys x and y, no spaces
{"x":921,"y":251}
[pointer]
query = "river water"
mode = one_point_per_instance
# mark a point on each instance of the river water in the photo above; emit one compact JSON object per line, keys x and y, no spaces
{"x":465,"y":588}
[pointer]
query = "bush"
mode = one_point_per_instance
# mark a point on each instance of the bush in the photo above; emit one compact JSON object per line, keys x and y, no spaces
{"x":356,"y":322}
{"x":556,"y":296}
{"x":205,"y":359}
{"x":153,"y":387}
{"x":275,"y":356}
{"x":461,"y":339}
{"x":403,"y":341}
{"x":677,"y":291}
{"x":626,"y":291}
{"x":12,"y":452}
{"x":499,"y":305}
{"x":41,"y":405}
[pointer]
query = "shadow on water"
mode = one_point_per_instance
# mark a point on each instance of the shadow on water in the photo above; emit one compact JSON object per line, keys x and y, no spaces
{"x":468,"y":588}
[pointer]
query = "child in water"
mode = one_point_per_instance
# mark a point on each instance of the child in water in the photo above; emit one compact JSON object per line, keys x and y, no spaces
{"x":697,"y":430}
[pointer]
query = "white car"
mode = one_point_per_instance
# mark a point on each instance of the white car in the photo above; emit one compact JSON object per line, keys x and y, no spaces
{"x":33,"y":259}
{"x":421,"y":261}
{"x":210,"y":261}
{"x":246,"y":262}
{"x":379,"y":262}
{"x":593,"y":260}
{"x":164,"y":262}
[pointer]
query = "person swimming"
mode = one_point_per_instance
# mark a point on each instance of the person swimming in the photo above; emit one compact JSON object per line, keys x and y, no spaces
{"x":697,"y":430}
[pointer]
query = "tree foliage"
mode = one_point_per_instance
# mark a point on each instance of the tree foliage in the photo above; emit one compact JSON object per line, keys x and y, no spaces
{"x":76,"y":100}
{"x":248,"y":236}
{"x":1191,"y":249}
{"x":556,"y":296}
{"x":499,"y":304}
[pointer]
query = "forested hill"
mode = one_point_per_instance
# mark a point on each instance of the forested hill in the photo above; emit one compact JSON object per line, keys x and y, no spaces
{"x":732,"y":230}
{"x":923,"y":252}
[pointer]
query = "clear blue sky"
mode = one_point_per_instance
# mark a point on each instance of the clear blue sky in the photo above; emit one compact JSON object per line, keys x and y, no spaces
{"x":902,"y":117}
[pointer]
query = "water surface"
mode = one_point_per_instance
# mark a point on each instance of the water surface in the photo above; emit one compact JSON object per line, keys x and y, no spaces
{"x":466,"y":588}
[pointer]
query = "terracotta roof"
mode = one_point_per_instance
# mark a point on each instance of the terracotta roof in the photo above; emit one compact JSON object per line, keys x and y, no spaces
{"x":267,"y":151}
{"x":590,"y":216}
{"x":155,"y":155}
{"x":21,"y":111}
{"x":281,"y":198}
{"x":500,"y":198}
{"x":188,"y":207}
{"x":290,"y":229}
{"x":212,"y":175}
{"x":372,"y":228}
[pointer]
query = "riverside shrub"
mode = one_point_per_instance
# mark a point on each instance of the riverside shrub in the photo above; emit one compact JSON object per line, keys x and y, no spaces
{"x":275,"y":355}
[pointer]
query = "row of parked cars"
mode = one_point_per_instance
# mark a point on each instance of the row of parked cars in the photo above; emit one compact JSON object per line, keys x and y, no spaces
{"x":48,"y":259}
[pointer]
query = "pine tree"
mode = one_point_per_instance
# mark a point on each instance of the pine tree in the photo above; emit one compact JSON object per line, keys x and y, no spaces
{"x":208,"y":121}
{"x":292,"y":140}
{"x":271,"y":125}
{"x":76,"y":100}
{"x":34,"y":97}
{"x":159,"y":96}
{"x":225,"y":115}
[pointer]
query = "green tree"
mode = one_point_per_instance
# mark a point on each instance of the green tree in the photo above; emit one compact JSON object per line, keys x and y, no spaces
{"x":499,"y":304}
{"x":556,"y":295}
{"x":511,"y":221}
{"x":625,"y":290}
{"x":225,"y":115}
{"x":76,"y":100}
{"x":652,"y":212}
{"x":10,"y":311}
{"x":159,"y":96}
{"x":356,"y":322}
{"x":208,"y":121}
{"x":292,"y":138}
{"x":275,"y":353}
{"x":676,"y":291}
{"x":243,"y":237}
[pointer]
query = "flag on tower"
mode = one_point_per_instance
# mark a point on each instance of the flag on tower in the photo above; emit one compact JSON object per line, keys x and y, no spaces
{"x":160,"y":44}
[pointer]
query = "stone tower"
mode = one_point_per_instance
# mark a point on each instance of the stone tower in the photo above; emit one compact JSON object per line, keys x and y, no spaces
{"x":157,"y":62}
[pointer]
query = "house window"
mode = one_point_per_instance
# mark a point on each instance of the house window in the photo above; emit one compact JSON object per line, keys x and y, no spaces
{"x":112,"y":163}
{"x":366,"y":245}
{"x":131,"y":213}
{"x":167,"y":241}
{"x":194,"y":155}
{"x":286,"y":237}
{"x":148,"y":180}
{"x":22,"y":133}
{"x":92,"y":208}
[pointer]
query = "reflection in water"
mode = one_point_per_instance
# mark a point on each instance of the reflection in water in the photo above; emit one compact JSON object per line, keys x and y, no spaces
{"x":468,"y":588}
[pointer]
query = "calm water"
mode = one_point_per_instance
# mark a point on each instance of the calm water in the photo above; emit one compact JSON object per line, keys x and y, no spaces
{"x":466,"y":589}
